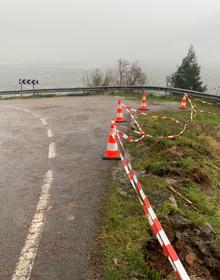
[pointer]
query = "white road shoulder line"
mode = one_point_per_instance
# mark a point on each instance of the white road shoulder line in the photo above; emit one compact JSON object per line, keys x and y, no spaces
{"x":52,"y":150}
{"x":43,"y":121}
{"x":49,"y":133}
{"x":26,"y":260}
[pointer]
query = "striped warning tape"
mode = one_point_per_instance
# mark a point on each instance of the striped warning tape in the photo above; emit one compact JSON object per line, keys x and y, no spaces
{"x":206,"y":112}
{"x":144,"y":134}
{"x":135,"y":121}
{"x":205,"y":102}
{"x":128,"y":138}
{"x":130,"y":111}
{"x":156,"y":227}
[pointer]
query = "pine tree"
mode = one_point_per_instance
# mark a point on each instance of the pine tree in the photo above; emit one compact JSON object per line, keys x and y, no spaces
{"x":187,"y":75}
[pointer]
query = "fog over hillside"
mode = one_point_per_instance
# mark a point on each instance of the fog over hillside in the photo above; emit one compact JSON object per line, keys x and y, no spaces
{"x":39,"y":37}
{"x":71,"y":74}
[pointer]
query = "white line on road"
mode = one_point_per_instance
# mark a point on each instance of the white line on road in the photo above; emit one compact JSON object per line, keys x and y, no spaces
{"x":43,"y":121}
{"x":26,"y":110}
{"x":26,"y":260}
{"x":52,"y":150}
{"x":49,"y":133}
{"x":35,"y":115}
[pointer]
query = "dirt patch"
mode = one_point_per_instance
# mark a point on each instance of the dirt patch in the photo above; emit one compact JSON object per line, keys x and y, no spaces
{"x":199,"y":177}
{"x":163,"y":172}
{"x":175,"y":151}
{"x":213,"y":142}
{"x":196,"y":246}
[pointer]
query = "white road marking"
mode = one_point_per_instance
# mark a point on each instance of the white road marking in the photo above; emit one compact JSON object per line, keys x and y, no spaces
{"x":43,"y":121}
{"x":26,"y":260}
{"x":52,"y":150}
{"x":49,"y":133}
{"x":26,"y":110}
{"x":35,"y":115}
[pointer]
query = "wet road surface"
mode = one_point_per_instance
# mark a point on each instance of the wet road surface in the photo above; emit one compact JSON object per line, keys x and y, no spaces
{"x":77,"y":129}
{"x":52,"y":181}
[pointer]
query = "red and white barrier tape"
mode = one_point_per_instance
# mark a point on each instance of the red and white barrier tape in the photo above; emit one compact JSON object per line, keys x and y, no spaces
{"x":148,"y":210}
{"x":144,"y":134}
{"x":156,"y":227}
{"x":128,"y":138}
{"x":129,"y":109}
{"x":135,"y":122}
{"x":205,"y":102}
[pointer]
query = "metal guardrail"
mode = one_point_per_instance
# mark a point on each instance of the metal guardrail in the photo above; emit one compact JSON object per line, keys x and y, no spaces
{"x":111,"y":88}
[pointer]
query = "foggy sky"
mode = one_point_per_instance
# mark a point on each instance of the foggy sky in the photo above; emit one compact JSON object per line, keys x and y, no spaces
{"x":157,"y":33}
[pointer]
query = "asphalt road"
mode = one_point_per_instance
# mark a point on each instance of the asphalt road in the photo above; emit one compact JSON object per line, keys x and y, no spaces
{"x":78,"y":127}
{"x":52,"y":181}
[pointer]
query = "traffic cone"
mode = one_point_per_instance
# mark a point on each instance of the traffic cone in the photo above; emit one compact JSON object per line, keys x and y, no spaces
{"x":112,"y":151}
{"x":119,"y":115}
{"x":183,"y":103}
{"x":144,"y":102}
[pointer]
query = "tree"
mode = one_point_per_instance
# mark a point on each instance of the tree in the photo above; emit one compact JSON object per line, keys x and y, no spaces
{"x":169,"y":80}
{"x":135,"y":75}
{"x":94,"y":78}
{"x":187,"y":75}
{"x":125,"y":73}
{"x":98,"y":78}
{"x":122,"y":70}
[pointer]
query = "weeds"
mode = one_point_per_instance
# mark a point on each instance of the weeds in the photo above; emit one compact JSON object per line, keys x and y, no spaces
{"x":192,"y":161}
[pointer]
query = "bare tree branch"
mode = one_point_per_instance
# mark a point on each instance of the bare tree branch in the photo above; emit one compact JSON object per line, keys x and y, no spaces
{"x":123,"y":74}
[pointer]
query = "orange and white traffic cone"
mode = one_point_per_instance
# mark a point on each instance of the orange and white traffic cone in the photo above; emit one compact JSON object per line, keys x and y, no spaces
{"x":144,"y":102}
{"x":112,"y":151}
{"x":119,"y":115}
{"x":183,"y":103}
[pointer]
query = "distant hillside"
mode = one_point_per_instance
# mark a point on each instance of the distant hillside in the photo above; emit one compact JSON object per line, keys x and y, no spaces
{"x":70,"y":75}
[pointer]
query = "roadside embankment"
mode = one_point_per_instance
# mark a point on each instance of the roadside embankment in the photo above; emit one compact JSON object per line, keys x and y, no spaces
{"x":181,"y":178}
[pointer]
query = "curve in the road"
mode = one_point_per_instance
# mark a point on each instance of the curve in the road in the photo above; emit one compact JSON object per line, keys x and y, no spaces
{"x":27,"y":256}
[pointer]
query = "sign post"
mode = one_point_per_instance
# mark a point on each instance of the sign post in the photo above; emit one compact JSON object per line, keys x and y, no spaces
{"x":28,"y":82}
{"x":20,"y":82}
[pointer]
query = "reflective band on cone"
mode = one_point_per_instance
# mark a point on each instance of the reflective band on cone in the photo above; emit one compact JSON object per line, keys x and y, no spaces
{"x":112,"y":151}
{"x":119,"y":115}
{"x":183,"y":103}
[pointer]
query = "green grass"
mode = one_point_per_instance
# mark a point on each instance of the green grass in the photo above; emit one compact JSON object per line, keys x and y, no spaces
{"x":137,"y":95}
{"x":125,"y":229}
{"x":124,"y":233}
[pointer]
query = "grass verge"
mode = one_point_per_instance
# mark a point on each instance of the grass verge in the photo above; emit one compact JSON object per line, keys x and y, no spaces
{"x":192,"y":161}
